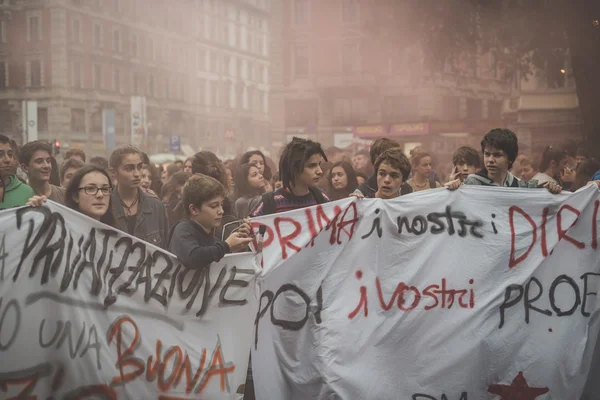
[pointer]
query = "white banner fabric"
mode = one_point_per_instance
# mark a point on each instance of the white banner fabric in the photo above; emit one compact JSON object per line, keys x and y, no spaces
{"x":480,"y":293}
{"x":88,"y":312}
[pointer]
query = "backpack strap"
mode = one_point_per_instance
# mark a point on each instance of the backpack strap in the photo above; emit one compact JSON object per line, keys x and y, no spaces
{"x":432,"y":183}
{"x":268,"y":207}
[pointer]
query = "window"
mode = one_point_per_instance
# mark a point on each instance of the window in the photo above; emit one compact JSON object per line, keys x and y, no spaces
{"x":181,"y":90}
{"x":301,"y":11}
{"x":77,"y":120}
{"x":300,"y":63}
{"x":42,"y":119}
{"x":301,"y":112}
{"x":97,"y":36}
{"x":116,"y":5}
{"x":350,"y":11}
{"x":450,"y":107}
{"x":202,"y":91}
{"x":214,"y":62}
{"x":151,"y":85}
{"x":226,"y":69}
{"x":134,"y":45}
{"x":152,"y":49}
{"x":97,"y":76}
{"x":34,"y":32}
{"x":76,"y":32}
{"x":116,"y":41}
{"x":35,"y":73}
{"x":135,"y":83}
{"x":495,"y":109}
{"x":3,"y":31}
{"x":214,"y":94}
{"x":350,"y":111}
{"x":116,"y":80}
{"x":227,"y":94}
{"x":400,"y":108}
{"x":167,"y":88}
{"x":201,"y":60}
{"x":474,"y":109}
{"x":350,"y":57}
{"x":77,"y":84}
{"x":3,"y":75}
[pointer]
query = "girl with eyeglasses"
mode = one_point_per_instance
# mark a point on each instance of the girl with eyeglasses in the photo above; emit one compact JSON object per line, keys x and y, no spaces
{"x":88,"y":192}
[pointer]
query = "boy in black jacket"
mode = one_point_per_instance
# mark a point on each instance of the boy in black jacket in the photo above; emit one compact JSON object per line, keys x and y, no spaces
{"x":192,"y":240}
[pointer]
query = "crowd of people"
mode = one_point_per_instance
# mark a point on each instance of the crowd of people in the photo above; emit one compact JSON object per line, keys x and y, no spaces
{"x":199,"y":209}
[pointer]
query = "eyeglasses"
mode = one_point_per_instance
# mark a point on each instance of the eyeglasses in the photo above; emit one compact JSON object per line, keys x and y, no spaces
{"x":93,"y":190}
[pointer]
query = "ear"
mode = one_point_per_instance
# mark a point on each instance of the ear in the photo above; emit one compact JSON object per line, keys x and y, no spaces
{"x":193,"y":210}
{"x":24,"y":168}
{"x":76,"y":198}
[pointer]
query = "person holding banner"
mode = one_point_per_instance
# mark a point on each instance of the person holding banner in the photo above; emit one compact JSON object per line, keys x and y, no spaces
{"x":300,"y":171}
{"x":36,"y":162}
{"x":88,"y":192}
{"x":500,"y":148}
{"x":13,"y":192}
{"x":192,"y":239}
{"x":392,"y":170}
{"x":136,"y":212}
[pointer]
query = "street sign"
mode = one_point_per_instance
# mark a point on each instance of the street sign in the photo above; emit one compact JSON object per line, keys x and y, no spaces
{"x":174,"y":144}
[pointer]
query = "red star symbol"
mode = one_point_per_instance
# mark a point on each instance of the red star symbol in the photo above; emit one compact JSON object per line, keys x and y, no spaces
{"x":517,"y":390}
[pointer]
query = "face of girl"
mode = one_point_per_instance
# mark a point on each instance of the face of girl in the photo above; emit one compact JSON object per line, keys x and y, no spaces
{"x":145,"y":182}
{"x":424,"y":167}
{"x":339,"y":178}
{"x":93,"y":196}
{"x":258,"y":161}
{"x":255,"y":178}
{"x":229,"y":176}
{"x":187,"y":167}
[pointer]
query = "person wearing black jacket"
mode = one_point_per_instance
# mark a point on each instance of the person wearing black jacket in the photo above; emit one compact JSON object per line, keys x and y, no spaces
{"x":192,"y":240}
{"x":369,"y":187}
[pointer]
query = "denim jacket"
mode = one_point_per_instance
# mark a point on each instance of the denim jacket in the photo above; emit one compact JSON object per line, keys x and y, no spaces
{"x":151,"y":223}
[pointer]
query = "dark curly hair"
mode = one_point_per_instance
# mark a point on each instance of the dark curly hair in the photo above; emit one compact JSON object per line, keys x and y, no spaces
{"x":396,"y":159}
{"x":293,"y":157}
{"x":502,"y":139}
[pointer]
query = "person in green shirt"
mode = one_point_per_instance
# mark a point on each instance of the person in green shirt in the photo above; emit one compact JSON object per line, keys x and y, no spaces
{"x":13,"y":192}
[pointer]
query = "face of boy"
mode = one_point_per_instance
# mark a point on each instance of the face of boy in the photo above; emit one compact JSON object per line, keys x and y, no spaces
{"x":465,"y":170}
{"x":496,"y":162}
{"x":312,"y":172}
{"x":39,"y":167}
{"x":389,"y":181}
{"x":210,"y":214}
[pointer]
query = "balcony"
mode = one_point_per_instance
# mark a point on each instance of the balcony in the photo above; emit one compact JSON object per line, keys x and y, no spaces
{"x":346,"y":80}
{"x":543,"y":100}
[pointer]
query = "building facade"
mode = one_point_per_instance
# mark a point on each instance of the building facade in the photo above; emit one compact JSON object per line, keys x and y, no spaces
{"x":335,"y":79}
{"x":201,"y":66}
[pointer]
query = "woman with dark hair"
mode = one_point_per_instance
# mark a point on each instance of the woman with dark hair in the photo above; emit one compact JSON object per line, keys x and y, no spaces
{"x":207,"y":163}
{"x":89,"y":193}
{"x":342,"y":181}
{"x":249,"y":186}
{"x":257,"y":158}
{"x":171,"y":197}
{"x":553,"y":162}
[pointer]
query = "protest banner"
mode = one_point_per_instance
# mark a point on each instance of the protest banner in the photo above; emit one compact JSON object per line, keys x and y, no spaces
{"x":480,"y":293}
{"x":88,"y":312}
